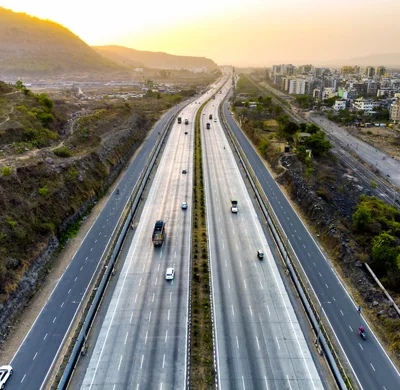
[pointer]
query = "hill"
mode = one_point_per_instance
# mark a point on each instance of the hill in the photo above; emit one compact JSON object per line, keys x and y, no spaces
{"x":33,"y":47}
{"x":390,"y":60}
{"x":137,"y":58}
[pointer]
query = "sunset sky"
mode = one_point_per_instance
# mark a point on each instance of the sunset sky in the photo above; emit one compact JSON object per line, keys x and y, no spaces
{"x":238,"y":32}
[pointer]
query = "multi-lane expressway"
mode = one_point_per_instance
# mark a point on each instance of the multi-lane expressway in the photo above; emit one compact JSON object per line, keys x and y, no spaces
{"x":260,"y":344}
{"x":37,"y":353}
{"x":372,"y":367}
{"x":143,"y":338}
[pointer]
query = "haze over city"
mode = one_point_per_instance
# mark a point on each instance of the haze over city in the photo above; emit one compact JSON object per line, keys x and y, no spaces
{"x":242,"y":33}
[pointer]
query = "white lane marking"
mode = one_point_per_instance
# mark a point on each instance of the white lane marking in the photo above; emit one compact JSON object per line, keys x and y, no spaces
{"x":326,"y":285}
{"x":334,"y":298}
{"x":91,"y":249}
{"x":156,"y":281}
{"x":244,"y":387}
{"x":81,"y":268}
{"x":287,"y":376}
{"x":304,"y":246}
{"x":45,"y":336}
{"x":245,"y":285}
{"x":361,"y":347}
{"x":95,"y":241}
{"x":141,"y":363}
{"x":351,"y":328}
{"x":136,"y":298}
{"x":75,"y":279}
{"x":100,"y":234}
{"x":54,"y":319}
{"x":266,"y":383}
{"x":160,"y":254}
{"x":320,"y":274}
{"x":233,"y":311}
{"x":69,"y":291}
{"x":170,"y":296}
{"x":143,"y":267}
{"x":175,"y":254}
{"x":258,"y":344}
{"x":126,"y":338}
{"x":34,"y":356}
{"x":145,"y":339}
{"x":237,"y":341}
{"x":342,"y":313}
{"x":240,"y":263}
{"x":268,"y":310}
{"x":229,"y":285}
{"x":119,"y":365}
{"x":226,"y":264}
{"x":372,"y":366}
{"x":159,"y":265}
{"x":86,"y":258}
{"x":309,"y":255}
{"x":277,"y":342}
{"x":140,"y":282}
{"x":314,"y":264}
{"x":251,"y":311}
{"x":149,"y":316}
{"x":237,"y":247}
{"x":153,"y":297}
{"x":163,"y":361}
{"x":168,"y":314}
{"x":62,"y":304}
{"x":166,"y":335}
{"x":262,"y":288}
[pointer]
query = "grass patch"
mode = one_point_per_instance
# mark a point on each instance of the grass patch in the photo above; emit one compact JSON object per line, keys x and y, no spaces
{"x":202,"y":375}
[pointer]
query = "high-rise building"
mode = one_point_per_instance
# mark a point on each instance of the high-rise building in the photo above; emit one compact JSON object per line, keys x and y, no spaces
{"x":370,"y":71}
{"x":395,"y":111}
{"x":380,"y":71}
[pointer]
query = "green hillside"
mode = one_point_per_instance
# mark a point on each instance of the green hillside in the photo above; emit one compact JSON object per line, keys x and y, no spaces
{"x":34,"y":47}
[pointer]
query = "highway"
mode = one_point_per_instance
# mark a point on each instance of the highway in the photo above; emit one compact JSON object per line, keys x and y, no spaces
{"x":142,"y":343}
{"x":372,"y":367}
{"x":259,"y":342}
{"x":37,"y":353}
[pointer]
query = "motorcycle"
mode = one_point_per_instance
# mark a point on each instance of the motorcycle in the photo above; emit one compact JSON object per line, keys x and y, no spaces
{"x":362,"y":334}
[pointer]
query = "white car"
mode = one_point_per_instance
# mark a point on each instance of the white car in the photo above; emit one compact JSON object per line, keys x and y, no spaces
{"x":215,"y":119}
{"x":184,"y":205}
{"x":5,"y":373}
{"x":169,"y":274}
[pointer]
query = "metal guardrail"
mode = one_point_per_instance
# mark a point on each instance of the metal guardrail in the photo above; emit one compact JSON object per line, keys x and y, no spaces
{"x":110,"y":257}
{"x":288,"y":254}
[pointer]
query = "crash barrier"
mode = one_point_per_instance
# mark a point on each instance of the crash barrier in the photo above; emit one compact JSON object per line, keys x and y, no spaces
{"x":110,"y":256}
{"x":288,"y":254}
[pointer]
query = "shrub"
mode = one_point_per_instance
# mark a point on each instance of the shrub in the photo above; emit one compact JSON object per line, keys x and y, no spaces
{"x":43,"y":191}
{"x":62,"y":152}
{"x":6,"y":171}
{"x":11,"y":223}
{"x":372,"y":184}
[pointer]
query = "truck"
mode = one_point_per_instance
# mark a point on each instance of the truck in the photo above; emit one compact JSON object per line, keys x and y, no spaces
{"x":179,"y":119}
{"x":186,"y":121}
{"x":159,"y":233}
{"x":234,"y":205}
{"x":208,"y":126}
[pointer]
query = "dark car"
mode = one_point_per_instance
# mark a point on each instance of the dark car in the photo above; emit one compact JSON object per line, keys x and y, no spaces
{"x":184,"y":171}
{"x":260,"y":254}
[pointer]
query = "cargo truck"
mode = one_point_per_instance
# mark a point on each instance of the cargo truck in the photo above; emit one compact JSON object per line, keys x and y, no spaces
{"x":159,"y":233}
{"x":234,"y":206}
{"x":179,"y":119}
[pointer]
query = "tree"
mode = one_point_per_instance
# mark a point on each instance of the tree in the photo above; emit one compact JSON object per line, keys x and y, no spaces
{"x":362,"y":217}
{"x":384,"y":253}
{"x":318,"y":144}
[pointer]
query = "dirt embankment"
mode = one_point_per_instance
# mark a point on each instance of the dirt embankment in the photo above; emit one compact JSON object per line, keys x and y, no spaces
{"x":327,"y":202}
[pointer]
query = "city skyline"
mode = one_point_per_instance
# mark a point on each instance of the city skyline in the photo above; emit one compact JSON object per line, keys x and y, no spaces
{"x":255,"y":33}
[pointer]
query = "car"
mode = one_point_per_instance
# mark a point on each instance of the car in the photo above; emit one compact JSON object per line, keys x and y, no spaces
{"x":260,"y":254}
{"x":5,"y":373}
{"x":215,"y":119}
{"x":184,"y":171}
{"x":184,"y":205}
{"x":186,"y":132}
{"x":170,"y":274}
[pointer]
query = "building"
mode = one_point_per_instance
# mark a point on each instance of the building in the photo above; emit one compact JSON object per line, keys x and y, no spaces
{"x":395,"y":111}
{"x":363,"y":105}
{"x":328,"y":93}
{"x":339,"y":105}
{"x":370,"y":72}
{"x":380,"y":71}
{"x":297,"y":86}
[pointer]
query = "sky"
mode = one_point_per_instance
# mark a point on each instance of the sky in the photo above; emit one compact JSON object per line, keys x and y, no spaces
{"x":234,"y":32}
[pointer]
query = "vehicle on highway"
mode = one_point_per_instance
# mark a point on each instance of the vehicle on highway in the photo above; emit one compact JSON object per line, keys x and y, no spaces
{"x":186,"y":121}
{"x":179,"y":119}
{"x":5,"y":373}
{"x":184,"y":171}
{"x":232,"y":113}
{"x":158,"y":233}
{"x":184,"y":206}
{"x":208,"y":126}
{"x":234,"y":206}
{"x":186,"y":132}
{"x":169,"y":274}
{"x":215,"y":119}
{"x":260,"y":254}
{"x":210,"y":116}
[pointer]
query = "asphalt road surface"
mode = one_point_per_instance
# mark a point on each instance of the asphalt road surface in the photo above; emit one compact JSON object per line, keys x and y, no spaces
{"x":35,"y":357}
{"x":142,"y":343}
{"x":375,"y":157}
{"x":372,"y":367}
{"x":260,"y":344}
